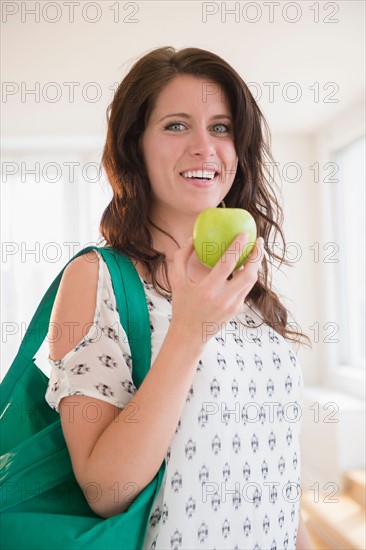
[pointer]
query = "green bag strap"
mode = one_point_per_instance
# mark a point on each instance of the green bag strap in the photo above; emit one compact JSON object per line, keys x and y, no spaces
{"x":133,"y":310}
{"x":124,"y":276}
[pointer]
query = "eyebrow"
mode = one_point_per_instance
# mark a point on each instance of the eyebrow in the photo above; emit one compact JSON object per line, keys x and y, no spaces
{"x":186,"y":115}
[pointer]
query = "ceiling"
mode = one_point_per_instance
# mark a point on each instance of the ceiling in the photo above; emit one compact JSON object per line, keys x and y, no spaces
{"x":311,"y":55}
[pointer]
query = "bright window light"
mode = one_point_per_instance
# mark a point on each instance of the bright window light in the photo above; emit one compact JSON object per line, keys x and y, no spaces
{"x":349,"y":225}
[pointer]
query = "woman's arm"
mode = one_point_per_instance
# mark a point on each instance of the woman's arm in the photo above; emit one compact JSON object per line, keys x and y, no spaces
{"x":116,"y":455}
{"x":303,"y":541}
{"x":123,"y":449}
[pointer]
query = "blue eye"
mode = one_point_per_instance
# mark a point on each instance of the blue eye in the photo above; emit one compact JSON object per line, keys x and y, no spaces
{"x":171,"y":124}
{"x":226,"y":128}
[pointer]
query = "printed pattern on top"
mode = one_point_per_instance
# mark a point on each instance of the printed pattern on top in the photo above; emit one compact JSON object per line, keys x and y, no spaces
{"x":233,"y":466}
{"x":100,"y":365}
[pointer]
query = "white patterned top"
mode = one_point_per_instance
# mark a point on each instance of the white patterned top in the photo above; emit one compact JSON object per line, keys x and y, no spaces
{"x":232,"y":479}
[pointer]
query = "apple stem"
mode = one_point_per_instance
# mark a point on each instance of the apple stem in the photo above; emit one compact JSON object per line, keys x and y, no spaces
{"x":223,"y":205}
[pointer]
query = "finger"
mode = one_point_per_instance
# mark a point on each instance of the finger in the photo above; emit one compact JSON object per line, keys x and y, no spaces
{"x":225,"y":266}
{"x":249,"y":272}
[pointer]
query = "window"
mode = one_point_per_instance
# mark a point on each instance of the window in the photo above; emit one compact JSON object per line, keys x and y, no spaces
{"x":349,"y":226}
{"x":54,"y":200}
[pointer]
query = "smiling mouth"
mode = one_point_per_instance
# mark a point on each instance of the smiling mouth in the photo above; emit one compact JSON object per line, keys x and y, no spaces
{"x":197,"y":177}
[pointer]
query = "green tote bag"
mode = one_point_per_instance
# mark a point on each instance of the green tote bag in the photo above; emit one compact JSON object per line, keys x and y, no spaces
{"x":42,"y":505}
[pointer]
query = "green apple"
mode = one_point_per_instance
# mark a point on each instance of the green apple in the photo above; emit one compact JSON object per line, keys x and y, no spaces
{"x":216,"y":228}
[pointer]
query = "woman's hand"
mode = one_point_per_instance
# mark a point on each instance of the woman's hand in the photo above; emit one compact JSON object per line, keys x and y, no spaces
{"x":215,"y":298}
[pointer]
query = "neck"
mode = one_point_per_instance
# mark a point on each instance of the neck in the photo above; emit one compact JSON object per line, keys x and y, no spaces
{"x":181,"y":229}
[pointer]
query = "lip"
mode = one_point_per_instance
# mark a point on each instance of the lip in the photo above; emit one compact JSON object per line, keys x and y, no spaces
{"x":200,"y":183}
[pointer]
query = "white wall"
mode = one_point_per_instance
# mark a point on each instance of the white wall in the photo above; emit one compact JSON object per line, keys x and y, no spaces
{"x":298,"y":283}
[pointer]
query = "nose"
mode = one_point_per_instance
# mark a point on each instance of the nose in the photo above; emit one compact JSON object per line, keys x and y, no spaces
{"x":201,"y":143}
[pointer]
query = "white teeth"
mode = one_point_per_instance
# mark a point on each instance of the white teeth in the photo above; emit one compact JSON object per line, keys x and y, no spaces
{"x":199,"y":174}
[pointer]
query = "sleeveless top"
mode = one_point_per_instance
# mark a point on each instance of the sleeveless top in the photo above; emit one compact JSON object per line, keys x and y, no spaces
{"x":232,"y":479}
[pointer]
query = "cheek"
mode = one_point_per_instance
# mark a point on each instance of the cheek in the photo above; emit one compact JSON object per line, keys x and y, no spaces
{"x":231,"y":154}
{"x":231,"y":162}
{"x":227,"y":153}
{"x":157,"y":150}
{"x":151,"y":155}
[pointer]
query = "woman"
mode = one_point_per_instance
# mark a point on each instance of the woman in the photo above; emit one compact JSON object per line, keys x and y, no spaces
{"x":184,"y":134}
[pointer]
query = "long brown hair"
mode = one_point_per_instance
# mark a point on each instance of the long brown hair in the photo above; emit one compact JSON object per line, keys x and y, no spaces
{"x":125,"y":222}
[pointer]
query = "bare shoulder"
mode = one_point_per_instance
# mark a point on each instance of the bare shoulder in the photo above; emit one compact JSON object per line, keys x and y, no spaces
{"x":75,"y":304}
{"x":85,"y":265}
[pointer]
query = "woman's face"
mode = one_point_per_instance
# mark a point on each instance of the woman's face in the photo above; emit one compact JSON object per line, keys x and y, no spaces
{"x":189,"y":139}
